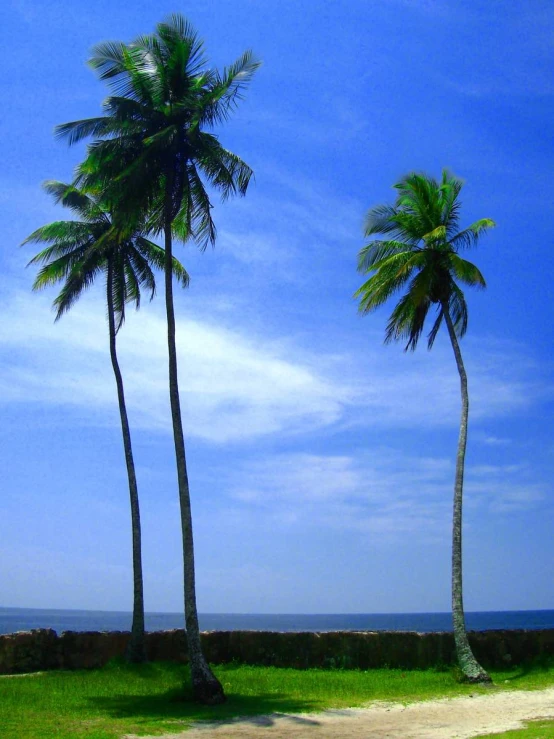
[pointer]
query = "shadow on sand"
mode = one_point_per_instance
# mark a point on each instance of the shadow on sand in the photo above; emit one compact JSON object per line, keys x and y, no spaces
{"x":176,"y":706}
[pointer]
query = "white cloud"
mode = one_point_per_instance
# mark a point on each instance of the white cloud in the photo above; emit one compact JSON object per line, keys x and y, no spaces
{"x":231,"y":387}
{"x":237,"y":385}
{"x":505,"y":488}
{"x":383,"y":493}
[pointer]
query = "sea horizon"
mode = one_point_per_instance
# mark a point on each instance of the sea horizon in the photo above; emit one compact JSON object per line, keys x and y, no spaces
{"x":14,"y":619}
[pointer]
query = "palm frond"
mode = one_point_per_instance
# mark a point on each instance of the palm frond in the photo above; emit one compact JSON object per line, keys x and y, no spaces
{"x":84,"y":205}
{"x":436,"y":326}
{"x":76,"y":131}
{"x":437,"y":234}
{"x":202,"y":224}
{"x":378,"y":250}
{"x":228,"y":89}
{"x":467,"y":272}
{"x":470,"y":235}
{"x":156,"y":256}
{"x":380,"y":220}
{"x":62,"y":231}
{"x":55,"y":270}
{"x":225,"y":171}
{"x":458,"y":310}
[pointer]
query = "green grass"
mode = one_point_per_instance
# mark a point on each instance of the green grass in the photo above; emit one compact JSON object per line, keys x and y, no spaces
{"x":150,"y":699}
{"x":532,"y":730}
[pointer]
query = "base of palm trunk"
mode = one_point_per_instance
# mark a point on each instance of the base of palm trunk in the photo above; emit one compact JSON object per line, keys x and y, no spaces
{"x":483,"y":678}
{"x":471,"y":669}
{"x":135,"y":652}
{"x":207,"y":689}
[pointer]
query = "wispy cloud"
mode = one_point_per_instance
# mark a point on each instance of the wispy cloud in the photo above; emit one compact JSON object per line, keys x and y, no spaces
{"x":506,"y":488}
{"x":232,"y":387}
{"x":383,"y":493}
{"x":237,"y":384}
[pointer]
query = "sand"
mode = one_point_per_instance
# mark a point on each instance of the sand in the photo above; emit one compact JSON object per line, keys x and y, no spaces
{"x":450,"y":718}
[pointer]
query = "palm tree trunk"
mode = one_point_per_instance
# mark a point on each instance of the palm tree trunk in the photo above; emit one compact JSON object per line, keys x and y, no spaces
{"x":206,"y":687}
{"x":469,"y":665}
{"x":136,"y":648}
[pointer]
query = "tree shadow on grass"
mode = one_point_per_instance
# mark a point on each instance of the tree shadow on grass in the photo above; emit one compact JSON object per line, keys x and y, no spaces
{"x":176,"y":706}
{"x":526,"y":670}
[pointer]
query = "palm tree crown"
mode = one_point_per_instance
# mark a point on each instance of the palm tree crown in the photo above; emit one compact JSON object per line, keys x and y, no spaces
{"x":153,"y":135}
{"x":81,"y":250}
{"x":421,"y":249}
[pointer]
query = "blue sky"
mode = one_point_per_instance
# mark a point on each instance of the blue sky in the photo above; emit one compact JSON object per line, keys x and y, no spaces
{"x":321,"y":461}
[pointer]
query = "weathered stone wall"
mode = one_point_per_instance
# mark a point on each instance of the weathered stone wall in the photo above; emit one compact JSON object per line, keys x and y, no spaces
{"x":43,"y":649}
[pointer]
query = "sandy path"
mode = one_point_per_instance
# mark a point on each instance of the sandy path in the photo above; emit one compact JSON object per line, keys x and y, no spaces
{"x":450,"y":718}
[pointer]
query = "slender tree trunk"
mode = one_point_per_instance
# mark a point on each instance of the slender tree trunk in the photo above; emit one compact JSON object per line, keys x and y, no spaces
{"x":469,"y":665}
{"x":136,"y":648}
{"x":206,"y":687}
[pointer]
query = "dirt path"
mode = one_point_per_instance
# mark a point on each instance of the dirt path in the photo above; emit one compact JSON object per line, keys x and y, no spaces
{"x":451,"y":718}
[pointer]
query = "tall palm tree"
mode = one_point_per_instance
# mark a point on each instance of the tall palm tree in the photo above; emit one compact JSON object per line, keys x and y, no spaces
{"x":420,"y":251}
{"x":79,"y":252}
{"x":154,"y":145}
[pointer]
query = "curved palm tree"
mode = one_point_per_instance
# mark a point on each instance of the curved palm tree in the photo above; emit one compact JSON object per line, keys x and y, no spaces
{"x":421,"y":252}
{"x":79,"y":252}
{"x":154,"y":148}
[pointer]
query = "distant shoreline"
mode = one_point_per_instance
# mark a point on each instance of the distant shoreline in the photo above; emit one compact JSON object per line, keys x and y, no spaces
{"x":23,"y":619}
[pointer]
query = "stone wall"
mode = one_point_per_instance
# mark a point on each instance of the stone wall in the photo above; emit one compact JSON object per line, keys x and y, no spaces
{"x":43,"y":649}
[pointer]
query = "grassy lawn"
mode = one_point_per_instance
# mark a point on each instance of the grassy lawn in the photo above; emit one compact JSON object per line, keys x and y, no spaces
{"x":533,"y":730}
{"x":150,"y":699}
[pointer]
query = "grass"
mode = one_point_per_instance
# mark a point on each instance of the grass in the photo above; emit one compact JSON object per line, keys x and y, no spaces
{"x":532,"y":730}
{"x":150,"y":699}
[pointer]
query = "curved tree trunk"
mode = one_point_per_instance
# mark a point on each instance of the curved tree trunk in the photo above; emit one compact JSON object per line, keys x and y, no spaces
{"x":470,"y":667}
{"x":206,"y":687}
{"x":136,"y":648}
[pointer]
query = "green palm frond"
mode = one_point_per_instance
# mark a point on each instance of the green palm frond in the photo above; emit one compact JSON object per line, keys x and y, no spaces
{"x":436,"y":326}
{"x":437,"y":234}
{"x":76,"y":200}
{"x":378,"y":250}
{"x":380,"y":220}
{"x":177,"y":30}
{"x":55,"y":270}
{"x":406,"y":321}
{"x":458,"y":309}
{"x":202,"y":224}
{"x":470,"y":235}
{"x":392,"y":274}
{"x":76,"y":131}
{"x":227,"y":90}
{"x":78,"y":280}
{"x":466,"y":271}
{"x":155,"y":255}
{"x":224,"y":170}
{"x":61,"y":232}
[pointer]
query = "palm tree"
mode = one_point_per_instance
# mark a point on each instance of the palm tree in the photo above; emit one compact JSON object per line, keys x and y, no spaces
{"x":421,"y":251}
{"x":153,"y":145}
{"x":80,"y":251}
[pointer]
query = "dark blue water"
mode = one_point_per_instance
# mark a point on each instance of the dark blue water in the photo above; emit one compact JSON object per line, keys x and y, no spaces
{"x":22,"y":619}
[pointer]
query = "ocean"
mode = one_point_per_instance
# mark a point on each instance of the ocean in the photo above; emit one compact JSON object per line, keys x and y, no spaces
{"x":23,"y":619}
